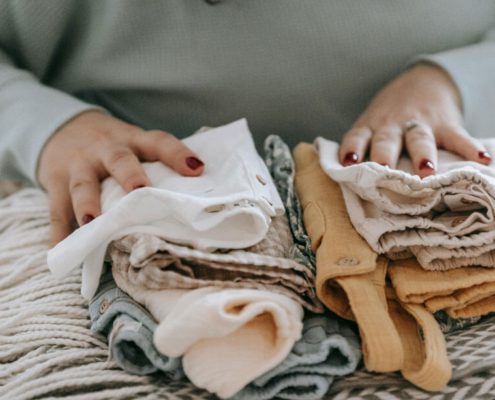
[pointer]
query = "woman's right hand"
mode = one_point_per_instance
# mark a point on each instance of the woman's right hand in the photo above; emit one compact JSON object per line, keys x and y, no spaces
{"x":93,"y":146}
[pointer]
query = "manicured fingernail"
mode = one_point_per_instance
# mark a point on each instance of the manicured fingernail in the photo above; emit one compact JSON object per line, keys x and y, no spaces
{"x":350,"y":158}
{"x":426,"y":164}
{"x":194,"y":163}
{"x":138,"y":187}
{"x":87,"y":219}
{"x":484,"y":155}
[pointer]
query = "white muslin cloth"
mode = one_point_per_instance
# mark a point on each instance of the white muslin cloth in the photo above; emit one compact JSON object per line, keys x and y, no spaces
{"x":226,"y":337}
{"x":228,"y":207}
{"x":446,"y":221}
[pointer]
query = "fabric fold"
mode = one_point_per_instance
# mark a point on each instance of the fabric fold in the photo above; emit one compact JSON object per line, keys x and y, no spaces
{"x":328,"y":348}
{"x":462,"y":293}
{"x":150,"y":262}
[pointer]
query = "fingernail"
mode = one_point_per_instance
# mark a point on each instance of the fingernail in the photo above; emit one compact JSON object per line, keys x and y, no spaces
{"x":484,"y":155}
{"x":384,"y":165}
{"x":194,"y":163}
{"x":138,"y":187}
{"x":87,"y":219}
{"x":350,"y":158}
{"x":426,"y":164}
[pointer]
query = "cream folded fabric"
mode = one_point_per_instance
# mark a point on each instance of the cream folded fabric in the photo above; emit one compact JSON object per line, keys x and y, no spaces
{"x":462,"y":293}
{"x":226,"y":337}
{"x":446,"y":221}
{"x":150,"y":262}
{"x":229,"y":206}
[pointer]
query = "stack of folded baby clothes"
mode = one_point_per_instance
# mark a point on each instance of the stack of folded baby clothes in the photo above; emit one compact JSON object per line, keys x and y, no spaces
{"x":357,"y":215}
{"x":446,"y":221}
{"x":213,"y":261}
{"x":351,"y":281}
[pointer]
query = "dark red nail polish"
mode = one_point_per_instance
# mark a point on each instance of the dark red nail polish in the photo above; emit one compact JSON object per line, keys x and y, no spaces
{"x":426,"y":164}
{"x":350,"y":158}
{"x":484,"y":155}
{"x":138,"y":187}
{"x":194,"y":163}
{"x":87,"y":219}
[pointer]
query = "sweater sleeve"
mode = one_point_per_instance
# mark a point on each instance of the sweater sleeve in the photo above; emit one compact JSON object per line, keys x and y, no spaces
{"x":472,"y":69}
{"x":29,"y":114}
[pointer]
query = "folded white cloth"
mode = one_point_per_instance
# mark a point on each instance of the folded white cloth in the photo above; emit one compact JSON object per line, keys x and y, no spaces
{"x":226,"y":337}
{"x":446,"y":220}
{"x":229,"y":206}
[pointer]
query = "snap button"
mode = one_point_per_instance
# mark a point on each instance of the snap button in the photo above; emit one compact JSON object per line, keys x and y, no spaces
{"x":104,"y":306}
{"x":457,"y":221}
{"x":215,"y":208}
{"x":261,"y":180}
{"x":268,"y":201}
{"x":347,"y":261}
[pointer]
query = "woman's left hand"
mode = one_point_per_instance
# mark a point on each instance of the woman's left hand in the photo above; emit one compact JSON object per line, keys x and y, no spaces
{"x":420,"y":110}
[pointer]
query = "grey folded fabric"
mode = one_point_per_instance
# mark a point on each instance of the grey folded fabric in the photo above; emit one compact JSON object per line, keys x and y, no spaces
{"x":129,"y":328}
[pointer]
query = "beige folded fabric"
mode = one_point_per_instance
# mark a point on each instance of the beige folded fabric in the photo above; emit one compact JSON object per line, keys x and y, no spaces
{"x":153,"y":263}
{"x":349,"y":280}
{"x":462,"y":293}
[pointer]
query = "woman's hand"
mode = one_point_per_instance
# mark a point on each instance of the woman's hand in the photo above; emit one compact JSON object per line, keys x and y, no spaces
{"x":93,"y":146}
{"x":419,"y":110}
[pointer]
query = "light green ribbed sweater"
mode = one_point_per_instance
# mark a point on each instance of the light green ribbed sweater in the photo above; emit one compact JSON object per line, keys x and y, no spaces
{"x":298,"y":68}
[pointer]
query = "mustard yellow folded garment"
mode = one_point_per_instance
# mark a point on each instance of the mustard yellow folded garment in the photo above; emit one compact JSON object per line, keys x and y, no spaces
{"x":426,"y":363}
{"x":461,"y":291}
{"x":349,"y":280}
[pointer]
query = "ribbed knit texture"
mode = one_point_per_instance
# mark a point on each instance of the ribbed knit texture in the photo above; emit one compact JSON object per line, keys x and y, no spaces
{"x":301,"y":69}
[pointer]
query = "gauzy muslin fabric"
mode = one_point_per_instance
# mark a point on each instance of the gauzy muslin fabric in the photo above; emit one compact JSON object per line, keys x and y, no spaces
{"x":226,"y":337}
{"x":229,"y":206}
{"x":446,"y":220}
{"x":150,"y":262}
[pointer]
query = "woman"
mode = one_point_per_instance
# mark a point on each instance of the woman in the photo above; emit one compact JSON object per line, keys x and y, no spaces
{"x":89,"y":89}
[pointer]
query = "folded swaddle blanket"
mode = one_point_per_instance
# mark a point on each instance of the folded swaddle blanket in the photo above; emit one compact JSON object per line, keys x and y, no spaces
{"x":229,"y":206}
{"x":150,"y":262}
{"x":446,"y":221}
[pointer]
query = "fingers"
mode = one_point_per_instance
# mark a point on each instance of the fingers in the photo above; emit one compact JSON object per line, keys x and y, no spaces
{"x":161,"y":146}
{"x":61,"y":215}
{"x":84,"y":189}
{"x":386,"y":145}
{"x":354,"y":145}
{"x":124,"y":166}
{"x":457,"y":140}
{"x":422,"y":148}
